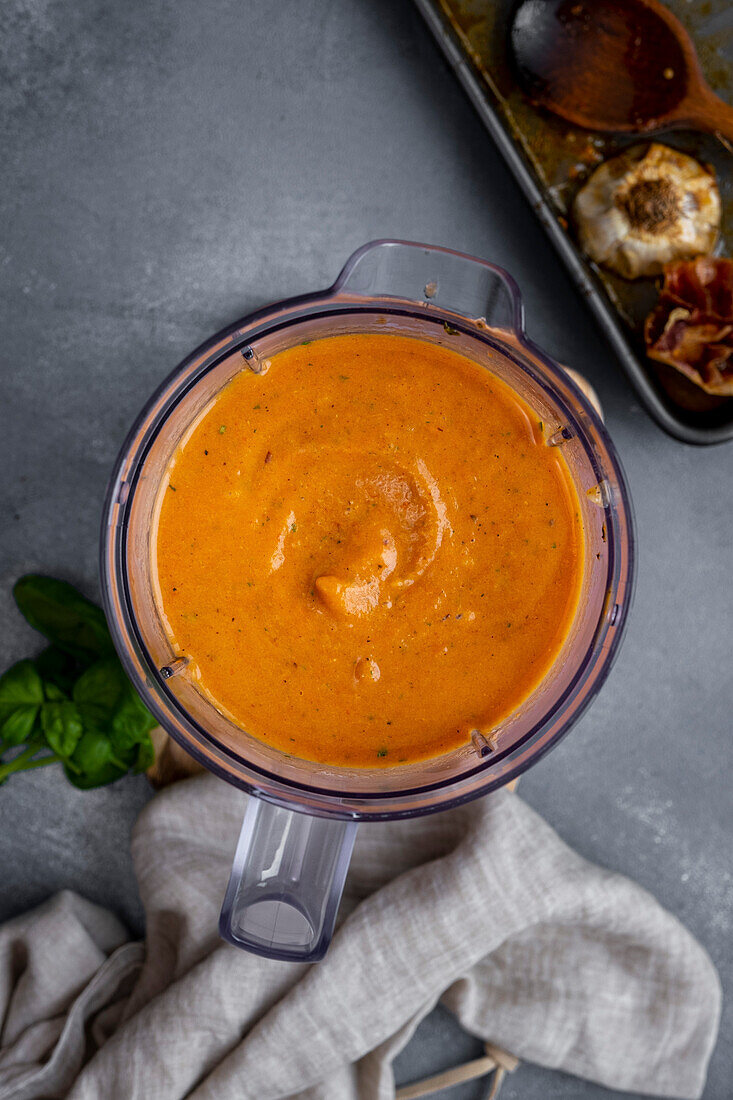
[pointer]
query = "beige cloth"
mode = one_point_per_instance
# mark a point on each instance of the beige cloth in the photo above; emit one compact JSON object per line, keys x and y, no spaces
{"x":485,"y":908}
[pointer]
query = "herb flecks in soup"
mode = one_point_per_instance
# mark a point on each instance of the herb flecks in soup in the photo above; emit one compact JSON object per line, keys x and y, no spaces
{"x":368,"y":551}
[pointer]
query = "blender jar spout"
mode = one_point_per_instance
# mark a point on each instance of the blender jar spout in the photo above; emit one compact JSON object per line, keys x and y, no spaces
{"x":286,"y":882}
{"x":440,"y":278}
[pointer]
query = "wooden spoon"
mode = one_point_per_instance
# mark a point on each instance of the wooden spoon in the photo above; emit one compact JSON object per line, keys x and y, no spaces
{"x":624,"y":65}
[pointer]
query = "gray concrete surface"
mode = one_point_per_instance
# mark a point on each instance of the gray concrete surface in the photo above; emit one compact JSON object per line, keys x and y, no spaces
{"x":167,"y":167}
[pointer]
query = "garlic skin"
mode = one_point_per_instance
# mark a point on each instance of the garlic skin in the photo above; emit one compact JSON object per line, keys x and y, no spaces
{"x":647,"y":207}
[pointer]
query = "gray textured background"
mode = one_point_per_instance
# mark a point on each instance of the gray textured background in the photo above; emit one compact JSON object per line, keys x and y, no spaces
{"x":169,"y":166}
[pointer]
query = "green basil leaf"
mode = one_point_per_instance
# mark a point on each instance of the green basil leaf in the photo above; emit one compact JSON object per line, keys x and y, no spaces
{"x":93,"y":764}
{"x":20,"y":686}
{"x":132,"y":721}
{"x":87,"y":781}
{"x":145,"y":755}
{"x":58,"y":668}
{"x":110,"y":705}
{"x":99,"y":692}
{"x":62,"y":726}
{"x":17,"y":727}
{"x":67,"y":618}
{"x":94,"y":720}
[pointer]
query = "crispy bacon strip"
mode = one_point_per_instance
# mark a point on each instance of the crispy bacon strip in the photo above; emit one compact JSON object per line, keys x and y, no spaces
{"x":691,"y":326}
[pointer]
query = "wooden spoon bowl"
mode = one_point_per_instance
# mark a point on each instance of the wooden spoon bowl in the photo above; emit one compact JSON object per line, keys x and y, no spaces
{"x":617,"y":65}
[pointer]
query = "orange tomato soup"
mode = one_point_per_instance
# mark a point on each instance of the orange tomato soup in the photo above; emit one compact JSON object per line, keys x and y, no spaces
{"x":368,"y":551}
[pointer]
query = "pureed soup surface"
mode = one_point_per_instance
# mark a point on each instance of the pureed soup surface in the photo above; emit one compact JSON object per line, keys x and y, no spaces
{"x":368,"y":551}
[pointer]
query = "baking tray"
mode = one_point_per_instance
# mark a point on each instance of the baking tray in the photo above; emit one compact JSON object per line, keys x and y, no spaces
{"x":550,"y":160}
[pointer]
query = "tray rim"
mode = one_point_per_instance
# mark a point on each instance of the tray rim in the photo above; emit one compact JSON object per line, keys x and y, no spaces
{"x":590,"y":290}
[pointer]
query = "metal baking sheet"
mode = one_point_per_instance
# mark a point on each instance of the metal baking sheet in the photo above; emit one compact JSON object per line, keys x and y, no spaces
{"x":550,"y":160}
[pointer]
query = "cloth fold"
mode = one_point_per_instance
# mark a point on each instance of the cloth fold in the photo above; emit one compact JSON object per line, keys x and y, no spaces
{"x":484,"y":907}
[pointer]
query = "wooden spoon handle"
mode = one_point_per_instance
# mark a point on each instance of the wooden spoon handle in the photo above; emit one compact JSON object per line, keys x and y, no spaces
{"x":708,"y":112}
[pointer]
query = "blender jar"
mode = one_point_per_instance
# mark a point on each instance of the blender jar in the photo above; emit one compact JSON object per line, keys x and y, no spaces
{"x":298,"y":832}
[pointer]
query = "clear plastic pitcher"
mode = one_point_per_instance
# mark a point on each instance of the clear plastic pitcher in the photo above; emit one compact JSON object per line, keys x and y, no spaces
{"x":298,"y":831}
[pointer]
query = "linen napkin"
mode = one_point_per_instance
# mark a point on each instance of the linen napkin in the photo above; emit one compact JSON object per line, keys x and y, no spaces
{"x":484,"y":908}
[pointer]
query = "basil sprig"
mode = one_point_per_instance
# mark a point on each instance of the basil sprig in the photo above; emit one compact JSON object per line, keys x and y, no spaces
{"x":73,"y":703}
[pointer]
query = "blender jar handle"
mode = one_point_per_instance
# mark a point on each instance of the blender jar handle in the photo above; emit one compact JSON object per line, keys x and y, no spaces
{"x":439,"y":278}
{"x":286,"y":882}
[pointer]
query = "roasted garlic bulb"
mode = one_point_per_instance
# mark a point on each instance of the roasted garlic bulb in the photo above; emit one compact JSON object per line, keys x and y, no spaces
{"x":647,"y":207}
